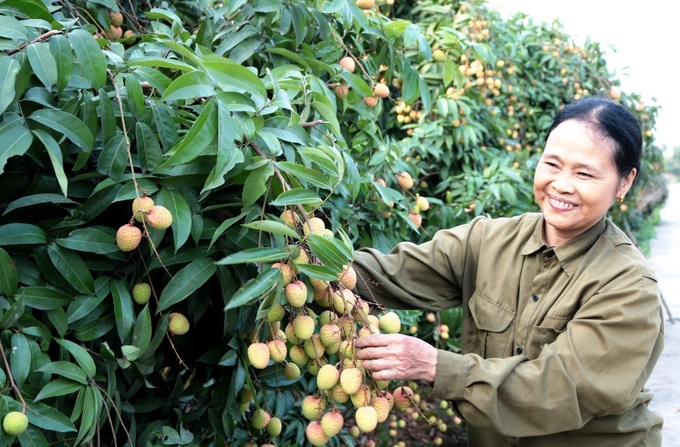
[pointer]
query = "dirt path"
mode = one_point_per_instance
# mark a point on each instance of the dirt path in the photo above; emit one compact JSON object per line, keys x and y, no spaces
{"x":664,"y":257}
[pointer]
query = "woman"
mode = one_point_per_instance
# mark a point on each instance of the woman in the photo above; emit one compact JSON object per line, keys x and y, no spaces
{"x":561,"y":318}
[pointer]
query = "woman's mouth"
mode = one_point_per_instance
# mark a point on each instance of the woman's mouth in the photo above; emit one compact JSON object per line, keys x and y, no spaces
{"x":559,"y":204}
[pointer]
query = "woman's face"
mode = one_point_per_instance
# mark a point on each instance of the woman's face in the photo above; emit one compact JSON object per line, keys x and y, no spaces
{"x":576,"y":181}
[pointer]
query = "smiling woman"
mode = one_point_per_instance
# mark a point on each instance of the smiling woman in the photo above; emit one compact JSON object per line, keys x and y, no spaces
{"x":561,"y":318}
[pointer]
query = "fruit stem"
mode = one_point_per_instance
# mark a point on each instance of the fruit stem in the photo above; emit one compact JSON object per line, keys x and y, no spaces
{"x":16,"y":389}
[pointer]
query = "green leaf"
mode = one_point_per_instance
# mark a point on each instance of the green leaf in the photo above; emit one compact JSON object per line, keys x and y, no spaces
{"x":31,"y":9}
{"x":63,"y":57}
{"x":306,"y":174}
{"x":224,"y":226}
{"x":43,"y":63}
{"x":178,"y":205}
{"x":81,"y":356}
{"x":318,"y":271}
{"x":185,"y":282}
{"x":94,"y":329}
{"x":148,"y":148}
{"x":9,"y":68}
{"x":21,"y":234}
{"x":54,"y":152}
{"x":90,"y":57}
{"x":230,"y":76}
{"x":256,"y":184}
{"x":43,"y":298}
{"x":290,"y":55}
{"x":19,"y":358}
{"x":272,"y":226}
{"x":297,"y":196}
{"x":65,"y":369}
{"x":253,"y":290}
{"x":122,"y":308}
{"x":135,"y":96}
{"x":89,"y":414}
{"x":58,"y":387}
{"x":330,"y":251}
{"x":411,"y":35}
{"x":114,"y":157}
{"x":356,"y":83}
{"x":8,"y":274}
{"x":228,"y":154}
{"x":72,"y":268}
{"x":329,"y":115}
{"x":14,"y":313}
{"x":107,"y":116}
{"x":141,"y":336}
{"x":197,"y":139}
{"x":37,"y":199}
{"x":69,"y":125}
{"x":48,"y":418}
{"x":100,"y":240}
{"x":193,"y":85}
{"x":18,"y":140}
{"x":252,"y":255}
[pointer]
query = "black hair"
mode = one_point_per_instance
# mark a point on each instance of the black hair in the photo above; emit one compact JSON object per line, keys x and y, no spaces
{"x":611,"y":121}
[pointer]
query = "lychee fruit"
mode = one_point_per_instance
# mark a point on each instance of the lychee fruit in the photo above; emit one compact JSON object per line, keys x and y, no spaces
{"x":286,"y":272}
{"x":159,"y":217}
{"x":141,"y":293}
{"x":274,"y":427}
{"x":351,"y":380}
{"x":313,"y":407}
{"x":371,"y":101}
{"x":313,"y":226}
{"x":15,"y":423}
{"x":303,"y":325}
{"x":348,"y":277}
{"x":258,"y":355}
{"x":331,"y":423}
{"x":402,"y":397}
{"x":338,"y":394}
{"x":341,"y":91}
{"x":362,"y":397}
{"x":296,"y":293}
{"x":290,"y":218}
{"x":291,"y":371}
{"x":178,"y":324}
{"x":276,"y":313}
{"x":381,"y":91}
{"x":116,"y":18}
{"x":298,"y":355}
{"x":422,"y":203}
{"x":330,"y":334}
{"x":290,"y":334}
{"x":382,"y":407}
{"x":417,"y":219}
{"x":405,"y":180}
{"x":438,"y":56}
{"x":348,"y":64}
{"x":313,"y":346}
{"x":366,"y":4}
{"x":277,"y":350}
{"x":260,"y":419}
{"x":128,"y":237}
{"x":390,"y":323}
{"x":327,"y":377}
{"x":141,"y":206}
{"x":315,"y":434}
{"x":367,"y":418}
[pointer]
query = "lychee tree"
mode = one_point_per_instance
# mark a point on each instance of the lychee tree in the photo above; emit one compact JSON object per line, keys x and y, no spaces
{"x":183,"y":189}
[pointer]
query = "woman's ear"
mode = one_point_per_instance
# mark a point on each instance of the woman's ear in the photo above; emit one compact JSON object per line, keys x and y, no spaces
{"x":626,"y":183}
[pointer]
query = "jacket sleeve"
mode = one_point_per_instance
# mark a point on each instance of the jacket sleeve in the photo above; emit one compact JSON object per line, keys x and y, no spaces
{"x":598,"y":366}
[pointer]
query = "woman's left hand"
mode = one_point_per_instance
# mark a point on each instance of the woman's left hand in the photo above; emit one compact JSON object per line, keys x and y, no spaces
{"x":397,"y":357}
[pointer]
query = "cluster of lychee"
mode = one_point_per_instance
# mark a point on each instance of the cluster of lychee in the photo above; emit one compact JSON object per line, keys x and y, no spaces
{"x":380,"y":89}
{"x":420,"y":203}
{"x":323,"y":345}
{"x":129,"y":236}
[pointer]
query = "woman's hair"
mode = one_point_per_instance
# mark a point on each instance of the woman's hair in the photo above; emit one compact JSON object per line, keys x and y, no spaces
{"x":611,"y":121}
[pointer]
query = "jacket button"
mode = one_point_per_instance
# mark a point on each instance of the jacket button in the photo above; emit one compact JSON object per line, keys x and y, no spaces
{"x":519,"y":349}
{"x":534,"y":297}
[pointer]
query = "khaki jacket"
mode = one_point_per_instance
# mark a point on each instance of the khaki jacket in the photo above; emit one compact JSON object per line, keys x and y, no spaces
{"x":557,"y":342}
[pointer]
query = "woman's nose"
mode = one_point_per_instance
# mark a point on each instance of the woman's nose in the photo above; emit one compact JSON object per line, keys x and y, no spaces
{"x":563,"y":182}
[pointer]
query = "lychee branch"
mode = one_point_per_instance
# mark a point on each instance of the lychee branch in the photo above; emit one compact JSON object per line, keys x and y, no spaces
{"x":40,"y":38}
{"x":16,"y":389}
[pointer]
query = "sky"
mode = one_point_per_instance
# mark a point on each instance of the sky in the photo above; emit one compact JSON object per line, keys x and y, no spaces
{"x":641,"y":40}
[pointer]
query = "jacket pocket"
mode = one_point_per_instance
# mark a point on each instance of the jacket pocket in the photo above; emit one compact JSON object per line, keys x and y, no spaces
{"x":548,"y":331}
{"x":493,"y":321}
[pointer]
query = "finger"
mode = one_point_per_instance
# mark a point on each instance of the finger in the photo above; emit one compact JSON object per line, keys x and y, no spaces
{"x":377,"y":340}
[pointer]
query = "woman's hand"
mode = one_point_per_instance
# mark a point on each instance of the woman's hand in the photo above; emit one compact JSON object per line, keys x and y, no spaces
{"x":397,"y":357}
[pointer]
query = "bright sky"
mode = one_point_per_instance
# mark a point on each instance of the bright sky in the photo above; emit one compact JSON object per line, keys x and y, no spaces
{"x":644,"y":36}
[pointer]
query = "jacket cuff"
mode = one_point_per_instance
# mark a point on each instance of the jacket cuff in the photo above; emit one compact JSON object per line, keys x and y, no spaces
{"x":451,"y":375}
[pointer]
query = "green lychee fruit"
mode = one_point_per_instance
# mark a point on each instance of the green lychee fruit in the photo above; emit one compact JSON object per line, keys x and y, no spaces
{"x":313,"y":347}
{"x":315,"y":434}
{"x":290,"y":218}
{"x":159,"y":217}
{"x":296,"y":294}
{"x":260,"y":419}
{"x":327,"y":377}
{"x":362,"y":397}
{"x":367,"y":418}
{"x":330,"y":334}
{"x":338,"y":394}
{"x":291,"y":371}
{"x":331,"y":423}
{"x":438,"y":56}
{"x":274,"y":427}
{"x":313,"y":226}
{"x":422,"y":203}
{"x":286,"y":272}
{"x":276,"y":313}
{"x":298,"y":355}
{"x":258,"y":355}
{"x":351,"y":380}
{"x":15,"y":423}
{"x":141,"y":206}
{"x":313,"y":407}
{"x":277,"y":350}
{"x":128,"y":237}
{"x":178,"y":324}
{"x":303,"y":325}
{"x":290,"y":334}
{"x":141,"y":293}
{"x":390,"y":323}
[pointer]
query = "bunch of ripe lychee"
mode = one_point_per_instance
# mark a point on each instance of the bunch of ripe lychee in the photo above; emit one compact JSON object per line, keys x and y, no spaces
{"x":144,"y":210}
{"x":323,"y":345}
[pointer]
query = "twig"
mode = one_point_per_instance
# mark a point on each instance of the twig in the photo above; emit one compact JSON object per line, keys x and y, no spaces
{"x":313,"y":123}
{"x":11,"y":379}
{"x":30,"y":42}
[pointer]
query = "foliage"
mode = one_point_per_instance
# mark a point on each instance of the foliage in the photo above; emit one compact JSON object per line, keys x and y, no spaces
{"x":228,"y":114}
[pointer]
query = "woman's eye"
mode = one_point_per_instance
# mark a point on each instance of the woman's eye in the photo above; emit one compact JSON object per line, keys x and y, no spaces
{"x":584,"y":175}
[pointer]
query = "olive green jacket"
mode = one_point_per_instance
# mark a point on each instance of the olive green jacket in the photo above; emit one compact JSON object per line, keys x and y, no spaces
{"x":557,"y":342}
